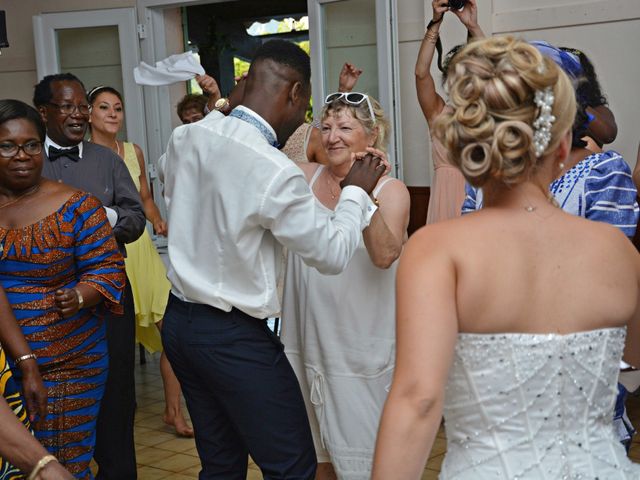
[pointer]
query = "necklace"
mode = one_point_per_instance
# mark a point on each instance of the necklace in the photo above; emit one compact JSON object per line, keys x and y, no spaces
{"x":550,"y":198}
{"x":31,"y":191}
{"x":333,"y":193}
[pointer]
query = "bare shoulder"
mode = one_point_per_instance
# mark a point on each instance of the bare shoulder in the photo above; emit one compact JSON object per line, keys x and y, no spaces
{"x":308,"y":169}
{"x":392,"y":187}
{"x":138,"y":150}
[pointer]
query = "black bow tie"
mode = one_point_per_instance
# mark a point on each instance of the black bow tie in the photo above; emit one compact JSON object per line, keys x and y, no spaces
{"x":73,"y":153}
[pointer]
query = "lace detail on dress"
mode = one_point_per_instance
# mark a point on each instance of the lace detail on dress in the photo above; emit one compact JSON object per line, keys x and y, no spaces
{"x":522,"y":406}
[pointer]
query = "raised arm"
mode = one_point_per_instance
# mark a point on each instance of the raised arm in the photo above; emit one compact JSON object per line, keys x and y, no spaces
{"x":150,"y":208}
{"x":430,"y":102}
{"x":426,"y":329}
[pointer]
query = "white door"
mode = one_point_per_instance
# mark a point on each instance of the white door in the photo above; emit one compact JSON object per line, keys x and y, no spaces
{"x":362,"y":32}
{"x":101,"y":48}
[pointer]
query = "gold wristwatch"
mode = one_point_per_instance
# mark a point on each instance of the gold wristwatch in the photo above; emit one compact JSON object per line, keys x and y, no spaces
{"x":221,"y":103}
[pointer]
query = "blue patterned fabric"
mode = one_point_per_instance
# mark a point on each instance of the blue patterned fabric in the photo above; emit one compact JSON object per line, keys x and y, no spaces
{"x":251,"y":120}
{"x":599,"y":188}
{"x":73,"y":245}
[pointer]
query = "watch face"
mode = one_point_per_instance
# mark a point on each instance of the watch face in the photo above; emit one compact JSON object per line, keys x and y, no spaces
{"x":221,"y":103}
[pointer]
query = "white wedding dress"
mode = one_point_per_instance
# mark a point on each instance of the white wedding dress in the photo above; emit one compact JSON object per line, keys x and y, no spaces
{"x":535,"y":406}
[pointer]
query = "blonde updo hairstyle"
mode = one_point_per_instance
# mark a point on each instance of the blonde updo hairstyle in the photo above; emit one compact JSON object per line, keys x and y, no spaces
{"x":381,"y":126}
{"x":489,"y":131}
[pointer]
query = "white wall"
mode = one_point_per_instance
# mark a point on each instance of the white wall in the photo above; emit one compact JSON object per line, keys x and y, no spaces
{"x":607,"y":30}
{"x":18,"y":62}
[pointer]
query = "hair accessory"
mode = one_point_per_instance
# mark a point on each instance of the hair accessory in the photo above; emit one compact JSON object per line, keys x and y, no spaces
{"x":95,"y":89}
{"x":542,"y":124}
{"x":351,"y":98}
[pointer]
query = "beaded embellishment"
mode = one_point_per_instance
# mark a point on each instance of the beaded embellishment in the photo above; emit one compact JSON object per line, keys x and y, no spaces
{"x":542,"y":124}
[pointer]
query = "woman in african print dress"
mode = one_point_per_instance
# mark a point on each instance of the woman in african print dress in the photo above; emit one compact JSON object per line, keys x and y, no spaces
{"x":60,"y":267}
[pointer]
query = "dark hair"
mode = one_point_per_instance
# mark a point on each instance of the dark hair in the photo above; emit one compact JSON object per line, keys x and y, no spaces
{"x":15,"y":109}
{"x":191,"y":100}
{"x":43,"y":94}
{"x":580,"y":124}
{"x":95,"y":91}
{"x":447,"y":61}
{"x":589,"y":89}
{"x":286,"y":53}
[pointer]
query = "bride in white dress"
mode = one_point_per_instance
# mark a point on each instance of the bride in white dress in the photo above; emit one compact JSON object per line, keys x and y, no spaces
{"x":511,"y":320}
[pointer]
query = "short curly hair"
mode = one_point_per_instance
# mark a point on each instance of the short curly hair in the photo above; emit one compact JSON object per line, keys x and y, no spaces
{"x":191,"y":100}
{"x":42,"y":93}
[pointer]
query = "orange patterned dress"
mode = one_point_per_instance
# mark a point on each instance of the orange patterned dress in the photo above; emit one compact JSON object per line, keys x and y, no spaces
{"x":73,"y":245}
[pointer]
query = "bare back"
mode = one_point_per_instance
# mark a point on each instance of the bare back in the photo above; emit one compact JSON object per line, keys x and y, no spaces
{"x":520,"y":272}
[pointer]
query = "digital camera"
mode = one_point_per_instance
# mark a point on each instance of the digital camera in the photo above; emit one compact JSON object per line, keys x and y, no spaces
{"x":457,"y":4}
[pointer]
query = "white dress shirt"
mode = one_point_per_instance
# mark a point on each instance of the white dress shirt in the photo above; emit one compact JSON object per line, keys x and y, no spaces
{"x":233,"y":200}
{"x":112,"y":215}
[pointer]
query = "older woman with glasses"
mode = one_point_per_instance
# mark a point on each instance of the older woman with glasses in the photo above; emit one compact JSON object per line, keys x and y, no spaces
{"x":60,"y":267}
{"x":339,"y":330}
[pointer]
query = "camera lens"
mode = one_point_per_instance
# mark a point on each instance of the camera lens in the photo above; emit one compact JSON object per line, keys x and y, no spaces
{"x":457,"y":4}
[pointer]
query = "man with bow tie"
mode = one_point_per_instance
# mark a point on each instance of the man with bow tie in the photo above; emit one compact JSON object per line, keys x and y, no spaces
{"x":62,"y":101}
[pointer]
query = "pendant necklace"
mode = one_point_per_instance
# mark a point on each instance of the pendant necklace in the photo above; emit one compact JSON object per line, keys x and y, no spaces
{"x":333,"y":194}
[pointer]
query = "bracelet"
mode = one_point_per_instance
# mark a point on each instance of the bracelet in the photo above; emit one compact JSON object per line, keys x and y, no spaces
{"x":431,"y":36}
{"x":80,"y":299}
{"x":24,"y":357}
{"x":43,"y":462}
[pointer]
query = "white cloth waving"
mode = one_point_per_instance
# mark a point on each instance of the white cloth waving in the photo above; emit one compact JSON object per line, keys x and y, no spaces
{"x":176,"y":68}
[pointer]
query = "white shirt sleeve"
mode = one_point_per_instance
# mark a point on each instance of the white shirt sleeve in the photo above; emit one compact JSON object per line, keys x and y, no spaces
{"x":112,"y":216}
{"x":324,"y":241}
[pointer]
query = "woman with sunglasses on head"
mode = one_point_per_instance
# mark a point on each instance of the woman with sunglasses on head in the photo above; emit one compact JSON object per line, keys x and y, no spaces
{"x":338,"y":330}
{"x":60,"y":267}
{"x":447,"y":187}
{"x":145,"y":269}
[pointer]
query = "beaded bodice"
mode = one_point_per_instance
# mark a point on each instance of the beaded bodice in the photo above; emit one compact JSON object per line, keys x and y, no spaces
{"x":534,"y":406}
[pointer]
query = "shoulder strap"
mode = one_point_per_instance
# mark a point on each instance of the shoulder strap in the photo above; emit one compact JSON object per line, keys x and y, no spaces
{"x":316,"y":174}
{"x":376,"y":191}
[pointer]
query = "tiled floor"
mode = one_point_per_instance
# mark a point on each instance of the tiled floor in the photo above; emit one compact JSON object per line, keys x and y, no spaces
{"x":162,"y":455}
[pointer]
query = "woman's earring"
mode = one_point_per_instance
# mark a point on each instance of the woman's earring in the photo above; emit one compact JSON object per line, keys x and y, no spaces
{"x":561,"y":166}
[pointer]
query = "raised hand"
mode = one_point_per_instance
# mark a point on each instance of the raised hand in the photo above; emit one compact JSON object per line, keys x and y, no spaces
{"x":348,"y":77}
{"x":469,"y":16}
{"x":439,"y":8}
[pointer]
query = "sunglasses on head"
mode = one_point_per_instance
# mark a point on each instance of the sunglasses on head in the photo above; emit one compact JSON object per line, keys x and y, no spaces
{"x":351,"y":98}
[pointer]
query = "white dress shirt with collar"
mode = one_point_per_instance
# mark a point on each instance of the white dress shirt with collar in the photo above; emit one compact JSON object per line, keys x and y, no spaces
{"x":112,"y":215}
{"x":233,"y":200}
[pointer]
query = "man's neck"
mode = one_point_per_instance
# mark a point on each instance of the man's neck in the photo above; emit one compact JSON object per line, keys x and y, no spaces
{"x":49,"y":141}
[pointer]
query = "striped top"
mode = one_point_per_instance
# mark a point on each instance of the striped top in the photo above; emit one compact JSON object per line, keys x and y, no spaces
{"x":599,"y":188}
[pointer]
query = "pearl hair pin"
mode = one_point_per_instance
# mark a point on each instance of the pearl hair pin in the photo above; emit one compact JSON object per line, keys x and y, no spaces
{"x":543,"y":123}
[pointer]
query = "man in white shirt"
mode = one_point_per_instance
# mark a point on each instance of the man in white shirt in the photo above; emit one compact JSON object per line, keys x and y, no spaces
{"x":233,"y":200}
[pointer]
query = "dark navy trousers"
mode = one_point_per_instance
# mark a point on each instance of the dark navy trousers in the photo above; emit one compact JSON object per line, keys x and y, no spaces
{"x":242,"y":394}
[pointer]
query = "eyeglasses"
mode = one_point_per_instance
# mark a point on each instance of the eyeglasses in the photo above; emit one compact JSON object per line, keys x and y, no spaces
{"x":10,"y":150}
{"x":68,"y":108}
{"x":351,"y":98}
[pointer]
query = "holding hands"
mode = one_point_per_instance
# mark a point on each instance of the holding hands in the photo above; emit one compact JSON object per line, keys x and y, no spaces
{"x":366,"y":170}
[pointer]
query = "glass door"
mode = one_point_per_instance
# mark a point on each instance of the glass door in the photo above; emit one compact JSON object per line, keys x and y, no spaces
{"x":101,"y":48}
